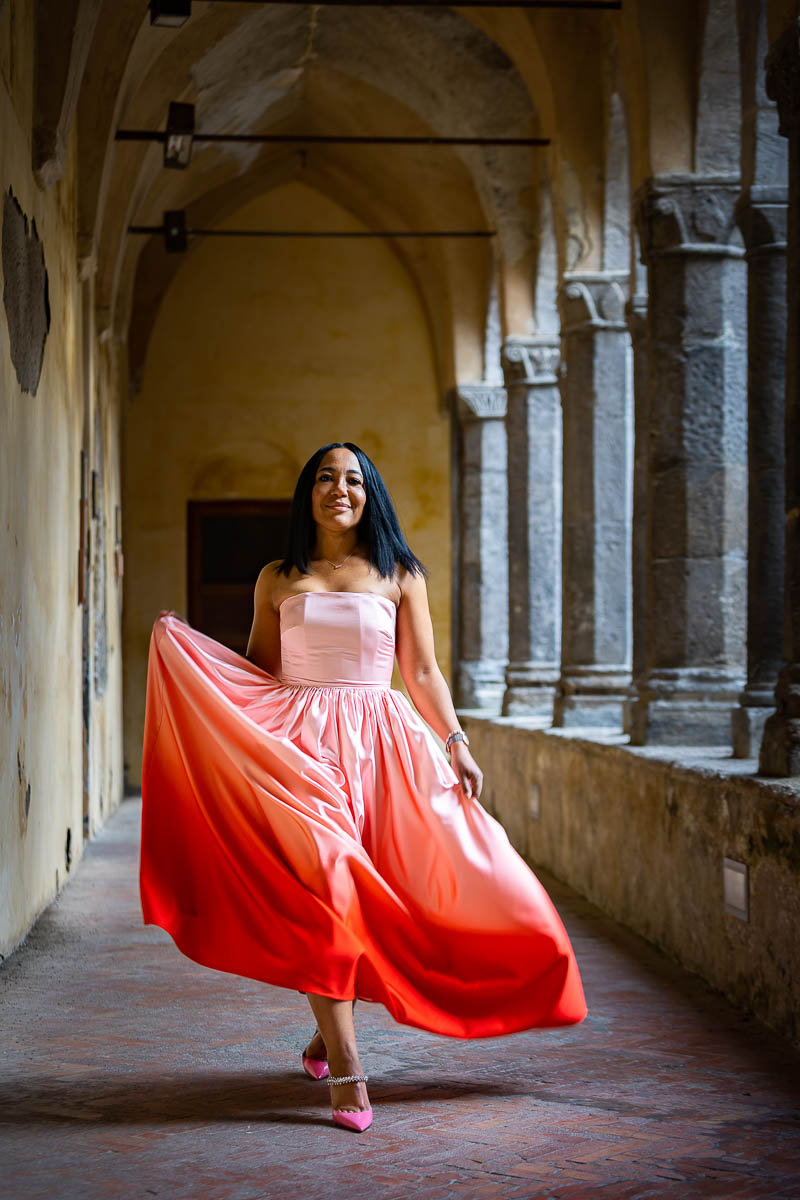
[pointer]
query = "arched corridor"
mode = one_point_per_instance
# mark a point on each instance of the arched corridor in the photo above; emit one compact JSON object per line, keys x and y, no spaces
{"x":542,"y":261}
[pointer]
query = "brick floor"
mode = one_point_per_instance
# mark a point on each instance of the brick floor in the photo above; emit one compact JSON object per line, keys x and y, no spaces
{"x":128,"y":1071}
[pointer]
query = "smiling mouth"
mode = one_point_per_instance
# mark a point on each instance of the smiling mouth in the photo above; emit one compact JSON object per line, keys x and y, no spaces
{"x":339,"y":507}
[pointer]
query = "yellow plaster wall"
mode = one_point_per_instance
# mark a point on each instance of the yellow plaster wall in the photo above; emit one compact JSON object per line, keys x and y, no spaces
{"x":262,"y":351}
{"x":780,"y":15}
{"x":41,"y":736}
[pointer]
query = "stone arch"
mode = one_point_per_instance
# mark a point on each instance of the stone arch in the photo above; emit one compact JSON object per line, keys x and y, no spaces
{"x":451,"y":279}
{"x":64,"y":32}
{"x":476,"y":105}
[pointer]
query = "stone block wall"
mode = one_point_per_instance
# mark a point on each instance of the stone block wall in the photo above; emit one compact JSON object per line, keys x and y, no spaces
{"x":643,"y":834}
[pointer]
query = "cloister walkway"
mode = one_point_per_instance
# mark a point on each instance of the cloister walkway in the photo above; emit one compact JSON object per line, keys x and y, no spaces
{"x":127,"y":1071}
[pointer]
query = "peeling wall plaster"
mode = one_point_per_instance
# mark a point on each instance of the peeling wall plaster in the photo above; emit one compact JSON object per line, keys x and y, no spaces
{"x":25,"y":293}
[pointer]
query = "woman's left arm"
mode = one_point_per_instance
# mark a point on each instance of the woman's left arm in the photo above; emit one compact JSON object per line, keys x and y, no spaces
{"x":426,"y":685}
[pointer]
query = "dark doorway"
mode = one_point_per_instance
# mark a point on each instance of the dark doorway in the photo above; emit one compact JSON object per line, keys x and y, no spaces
{"x":229,"y":543}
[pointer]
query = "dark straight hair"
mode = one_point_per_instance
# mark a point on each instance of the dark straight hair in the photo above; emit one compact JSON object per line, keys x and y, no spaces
{"x":379,"y":530}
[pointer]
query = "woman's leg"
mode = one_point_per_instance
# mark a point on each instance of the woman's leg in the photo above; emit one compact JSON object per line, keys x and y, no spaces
{"x":316,"y":1048}
{"x":337,"y":1031}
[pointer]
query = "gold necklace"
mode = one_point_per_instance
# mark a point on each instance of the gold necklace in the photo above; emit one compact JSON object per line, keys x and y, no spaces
{"x":336,"y":566}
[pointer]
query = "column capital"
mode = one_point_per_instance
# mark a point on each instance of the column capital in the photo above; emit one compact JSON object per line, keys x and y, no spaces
{"x":480,"y":401}
{"x":530,"y":361}
{"x":761,"y":214}
{"x":782,"y":66}
{"x":688,"y":214}
{"x":593,"y":299}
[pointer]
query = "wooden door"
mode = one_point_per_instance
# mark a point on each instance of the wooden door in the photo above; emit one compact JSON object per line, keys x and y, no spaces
{"x":229,"y":541}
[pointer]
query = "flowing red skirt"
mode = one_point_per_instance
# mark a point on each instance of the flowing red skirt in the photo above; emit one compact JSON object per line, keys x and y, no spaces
{"x":315,"y":838}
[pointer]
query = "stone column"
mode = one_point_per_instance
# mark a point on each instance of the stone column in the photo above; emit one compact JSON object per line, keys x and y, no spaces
{"x":761,"y":215}
{"x":636,"y":313}
{"x":533,"y":426}
{"x":483,"y":592}
{"x":697,"y":462}
{"x":780,"y":748}
{"x":595,"y":629}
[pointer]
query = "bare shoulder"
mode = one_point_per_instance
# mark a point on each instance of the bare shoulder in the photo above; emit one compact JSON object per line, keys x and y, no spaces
{"x":266,"y":583}
{"x":413,"y":589}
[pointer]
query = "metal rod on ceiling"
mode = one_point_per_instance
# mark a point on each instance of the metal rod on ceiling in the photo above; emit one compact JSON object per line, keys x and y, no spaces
{"x":147,"y":135}
{"x":326,"y":233}
{"x":602,"y":5}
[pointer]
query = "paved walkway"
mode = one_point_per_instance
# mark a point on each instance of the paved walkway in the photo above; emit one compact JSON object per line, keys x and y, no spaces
{"x":127,"y":1071}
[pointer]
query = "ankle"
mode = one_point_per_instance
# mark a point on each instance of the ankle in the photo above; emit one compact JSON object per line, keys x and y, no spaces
{"x":347,"y":1064}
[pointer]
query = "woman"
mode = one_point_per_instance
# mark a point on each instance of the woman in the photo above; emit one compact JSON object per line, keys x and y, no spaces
{"x":326,"y":844}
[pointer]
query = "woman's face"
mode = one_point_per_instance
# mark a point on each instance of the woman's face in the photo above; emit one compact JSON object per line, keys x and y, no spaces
{"x":338,"y":496}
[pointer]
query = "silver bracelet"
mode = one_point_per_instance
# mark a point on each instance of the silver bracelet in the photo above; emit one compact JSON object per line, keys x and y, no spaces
{"x":457,"y":735}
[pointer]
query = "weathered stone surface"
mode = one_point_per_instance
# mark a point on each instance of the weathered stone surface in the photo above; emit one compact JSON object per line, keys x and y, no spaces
{"x":762,"y":218}
{"x":483,"y":595}
{"x":780,"y":749}
{"x":595,"y":641}
{"x":533,"y":427}
{"x":636,"y":314}
{"x":643,"y":836}
{"x":697,"y":462}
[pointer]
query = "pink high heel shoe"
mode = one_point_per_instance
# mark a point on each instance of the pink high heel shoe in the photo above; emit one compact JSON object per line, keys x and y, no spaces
{"x":315,"y":1068}
{"x":358,"y":1121}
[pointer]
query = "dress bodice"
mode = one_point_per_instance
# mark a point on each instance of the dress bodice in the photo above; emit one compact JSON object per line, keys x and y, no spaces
{"x":343,"y":639}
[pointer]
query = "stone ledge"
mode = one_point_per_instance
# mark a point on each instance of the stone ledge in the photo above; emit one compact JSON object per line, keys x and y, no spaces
{"x":705,"y":760}
{"x":644,"y":833}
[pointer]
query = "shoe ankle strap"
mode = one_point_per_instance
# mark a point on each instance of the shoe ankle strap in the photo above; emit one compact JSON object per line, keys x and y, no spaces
{"x":335,"y":1080}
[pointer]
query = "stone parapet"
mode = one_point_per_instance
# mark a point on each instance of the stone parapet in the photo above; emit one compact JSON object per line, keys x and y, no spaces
{"x":645,"y":834}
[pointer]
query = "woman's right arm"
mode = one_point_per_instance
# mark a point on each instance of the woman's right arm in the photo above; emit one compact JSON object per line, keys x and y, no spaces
{"x":264,"y":645}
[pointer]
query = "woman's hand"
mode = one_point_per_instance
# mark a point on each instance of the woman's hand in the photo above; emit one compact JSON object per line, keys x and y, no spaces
{"x":469,"y":773}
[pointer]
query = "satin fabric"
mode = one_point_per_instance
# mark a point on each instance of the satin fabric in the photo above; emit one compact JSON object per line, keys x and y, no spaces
{"x":308,"y":832}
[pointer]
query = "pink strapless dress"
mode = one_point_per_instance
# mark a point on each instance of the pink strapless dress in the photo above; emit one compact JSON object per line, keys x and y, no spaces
{"x":310,"y":833}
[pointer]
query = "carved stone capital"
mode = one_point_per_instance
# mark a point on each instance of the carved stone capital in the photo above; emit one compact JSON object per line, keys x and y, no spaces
{"x":762,"y":217}
{"x":782,"y":66}
{"x":593,"y":299}
{"x":530,"y":361}
{"x":480,"y":401}
{"x":688,"y":214}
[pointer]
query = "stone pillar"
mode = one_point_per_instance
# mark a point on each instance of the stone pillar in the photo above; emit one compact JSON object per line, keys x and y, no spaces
{"x":595,"y":596}
{"x":780,"y":748}
{"x":483,"y":592}
{"x":697,"y":462}
{"x":636,"y":313}
{"x":762,"y":218}
{"x":533,"y":426}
